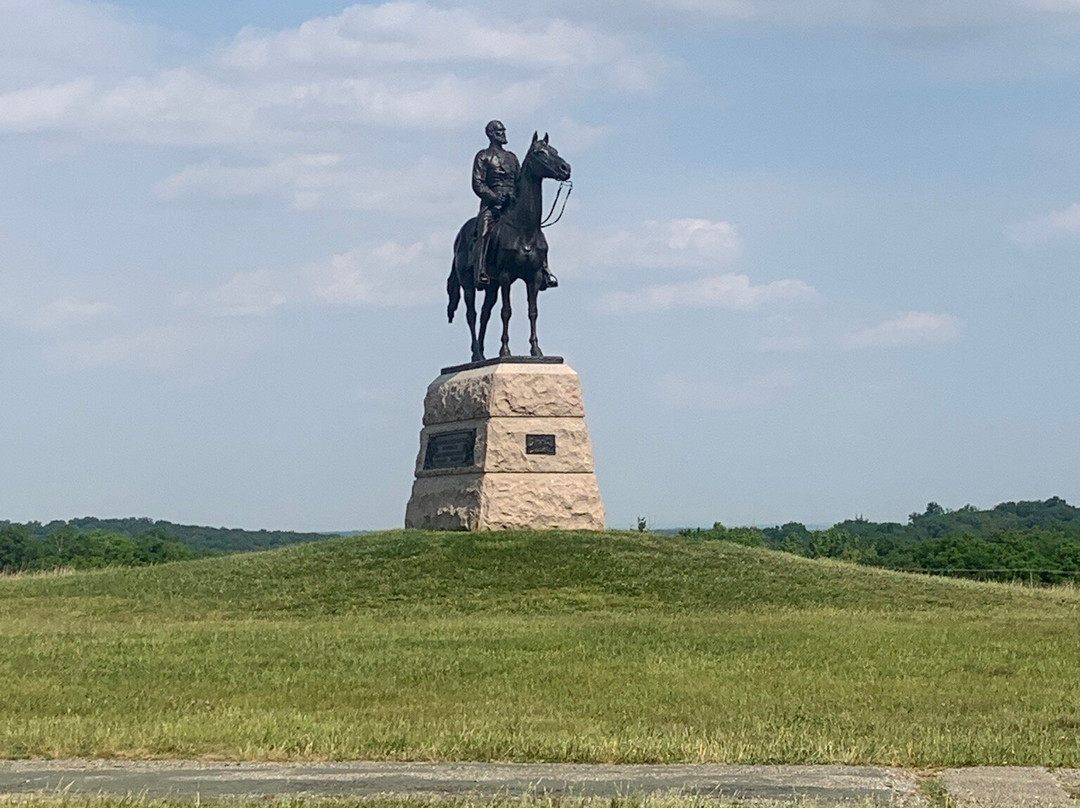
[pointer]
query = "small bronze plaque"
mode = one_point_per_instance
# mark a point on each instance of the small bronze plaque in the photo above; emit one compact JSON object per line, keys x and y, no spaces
{"x":540,"y":444}
{"x":450,"y":450}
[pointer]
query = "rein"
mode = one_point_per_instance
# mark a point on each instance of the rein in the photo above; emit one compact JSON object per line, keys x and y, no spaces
{"x":548,"y":221}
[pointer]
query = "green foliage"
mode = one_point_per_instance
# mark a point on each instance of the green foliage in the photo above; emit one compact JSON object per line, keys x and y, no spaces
{"x":1031,"y":541}
{"x":746,"y":536}
{"x":217,"y":539}
{"x":89,"y":542}
{"x":525,"y":646}
{"x":23,"y":551}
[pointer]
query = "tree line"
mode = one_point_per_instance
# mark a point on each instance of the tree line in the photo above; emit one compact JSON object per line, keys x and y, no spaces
{"x":89,"y":542}
{"x":23,"y":550}
{"x":1037,"y":541}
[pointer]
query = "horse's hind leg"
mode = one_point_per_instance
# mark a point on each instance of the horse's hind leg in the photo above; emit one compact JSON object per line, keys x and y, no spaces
{"x":505,"y":349}
{"x":534,"y":345}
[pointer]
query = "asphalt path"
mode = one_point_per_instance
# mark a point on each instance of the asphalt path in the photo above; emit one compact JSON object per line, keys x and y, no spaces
{"x":825,"y":785}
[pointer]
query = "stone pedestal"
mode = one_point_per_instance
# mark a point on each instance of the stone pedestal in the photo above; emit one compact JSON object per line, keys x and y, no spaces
{"x":504,"y":445}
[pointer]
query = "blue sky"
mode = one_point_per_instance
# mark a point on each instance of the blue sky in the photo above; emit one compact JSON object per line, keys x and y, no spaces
{"x":821,"y":257}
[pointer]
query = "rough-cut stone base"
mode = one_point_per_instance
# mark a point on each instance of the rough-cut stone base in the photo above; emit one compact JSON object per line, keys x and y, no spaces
{"x":506,"y":484}
{"x":497,"y":501}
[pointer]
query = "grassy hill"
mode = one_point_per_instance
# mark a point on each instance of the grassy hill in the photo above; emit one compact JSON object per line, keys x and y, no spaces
{"x":537,"y":646}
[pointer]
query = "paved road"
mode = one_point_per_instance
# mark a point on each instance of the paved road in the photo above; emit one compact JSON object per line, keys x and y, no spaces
{"x":829,"y":785}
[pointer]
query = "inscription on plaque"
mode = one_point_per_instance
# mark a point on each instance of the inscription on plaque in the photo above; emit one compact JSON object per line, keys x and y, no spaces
{"x":450,"y":450}
{"x":540,"y":444}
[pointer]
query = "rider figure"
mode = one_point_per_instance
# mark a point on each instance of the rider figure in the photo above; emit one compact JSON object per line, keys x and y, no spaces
{"x":494,"y":177}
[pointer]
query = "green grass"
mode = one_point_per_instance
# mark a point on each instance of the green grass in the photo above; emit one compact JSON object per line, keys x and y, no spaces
{"x":537,"y":646}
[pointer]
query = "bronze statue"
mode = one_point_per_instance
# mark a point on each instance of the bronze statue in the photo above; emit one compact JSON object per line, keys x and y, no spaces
{"x":494,"y":176}
{"x":510,"y":245}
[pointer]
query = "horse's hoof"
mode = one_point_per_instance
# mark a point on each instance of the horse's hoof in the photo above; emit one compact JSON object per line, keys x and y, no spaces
{"x":504,"y":353}
{"x":536,"y":351}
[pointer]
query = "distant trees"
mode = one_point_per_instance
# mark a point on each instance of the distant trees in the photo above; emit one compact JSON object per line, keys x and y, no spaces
{"x":14,"y":546}
{"x":216,"y":539}
{"x":23,"y":551}
{"x":89,"y":542}
{"x":750,"y":536}
{"x":1038,"y":541}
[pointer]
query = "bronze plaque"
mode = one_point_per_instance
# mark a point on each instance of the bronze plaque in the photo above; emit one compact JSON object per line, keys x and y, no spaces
{"x":540,"y":444}
{"x":450,"y":450}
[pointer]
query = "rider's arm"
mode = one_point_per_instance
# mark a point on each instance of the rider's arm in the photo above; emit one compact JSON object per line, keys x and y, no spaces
{"x":479,"y":181}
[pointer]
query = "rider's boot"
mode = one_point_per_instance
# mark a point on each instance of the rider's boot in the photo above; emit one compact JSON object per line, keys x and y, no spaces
{"x":547,"y":280}
{"x":481,"y":277}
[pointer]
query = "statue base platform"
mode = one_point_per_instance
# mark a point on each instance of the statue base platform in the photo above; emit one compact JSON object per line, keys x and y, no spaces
{"x":505,"y":446}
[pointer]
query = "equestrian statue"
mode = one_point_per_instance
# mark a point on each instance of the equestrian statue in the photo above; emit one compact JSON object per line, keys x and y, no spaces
{"x":504,"y":242}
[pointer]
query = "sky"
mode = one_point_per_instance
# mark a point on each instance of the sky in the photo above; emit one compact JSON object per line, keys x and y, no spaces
{"x":820,"y":261}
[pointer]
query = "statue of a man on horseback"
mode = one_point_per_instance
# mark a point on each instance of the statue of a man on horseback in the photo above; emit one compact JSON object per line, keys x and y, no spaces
{"x":494,"y":178}
{"x":505,"y":242}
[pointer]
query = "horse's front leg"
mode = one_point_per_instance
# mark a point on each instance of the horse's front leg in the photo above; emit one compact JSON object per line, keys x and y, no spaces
{"x":490,"y":294}
{"x":505,"y":349}
{"x":533,"y":287}
{"x":470,"y":316}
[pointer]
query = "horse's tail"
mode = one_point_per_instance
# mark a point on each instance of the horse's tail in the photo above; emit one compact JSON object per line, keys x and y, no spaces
{"x":453,"y":291}
{"x":459,"y":266}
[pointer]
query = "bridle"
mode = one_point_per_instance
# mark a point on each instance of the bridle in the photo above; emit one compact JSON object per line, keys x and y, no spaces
{"x":548,"y":221}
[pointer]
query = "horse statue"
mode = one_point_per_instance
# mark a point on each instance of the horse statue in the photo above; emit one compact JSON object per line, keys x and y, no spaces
{"x":516,"y":250}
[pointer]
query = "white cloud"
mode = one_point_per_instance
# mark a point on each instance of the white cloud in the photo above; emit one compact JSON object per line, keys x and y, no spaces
{"x":246,"y":294}
{"x":577,"y":137}
{"x":298,"y":173}
{"x":68,"y":311}
{"x":47,"y":41}
{"x":683,"y":392}
{"x":1056,"y":224}
{"x":389,"y":274}
{"x":328,"y":180}
{"x":884,"y":14}
{"x":701,"y":245}
{"x":911,"y":328}
{"x":703,"y":238}
{"x":155,"y":348}
{"x":36,"y":107}
{"x":191,"y":352}
{"x":670,"y":244}
{"x":728,"y":291}
{"x":783,"y":333}
{"x":177,"y":107}
{"x":404,"y":65}
{"x":413,"y":33}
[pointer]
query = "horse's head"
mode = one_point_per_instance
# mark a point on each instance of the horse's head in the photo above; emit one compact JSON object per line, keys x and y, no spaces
{"x":544,"y":161}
